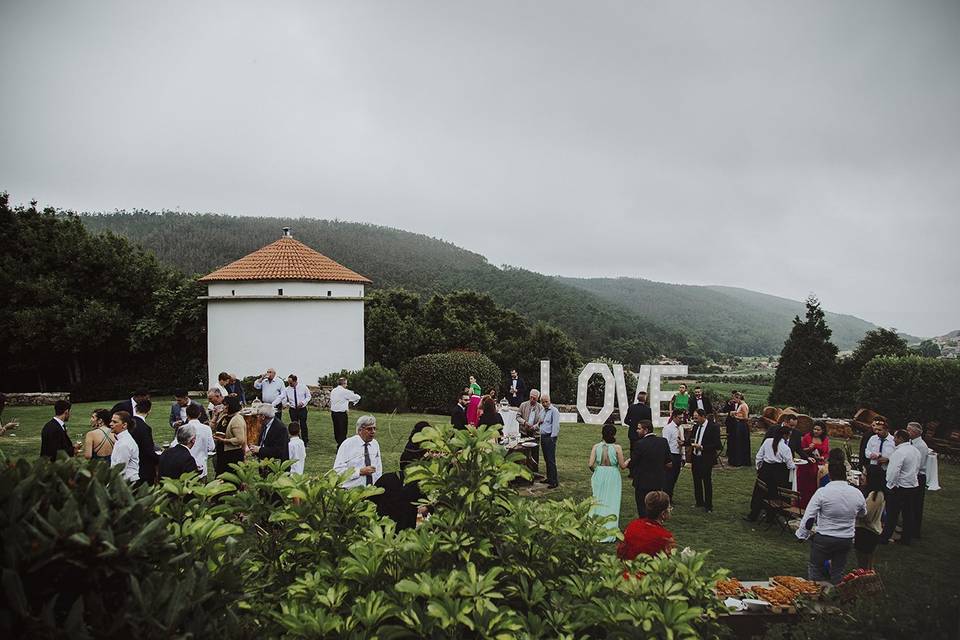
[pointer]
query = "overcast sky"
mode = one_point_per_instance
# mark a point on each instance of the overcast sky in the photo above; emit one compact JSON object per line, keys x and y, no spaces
{"x":788,"y":147}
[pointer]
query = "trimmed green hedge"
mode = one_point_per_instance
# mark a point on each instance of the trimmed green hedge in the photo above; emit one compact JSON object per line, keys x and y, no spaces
{"x":433,"y":381}
{"x":379,"y":387}
{"x":912,"y":388}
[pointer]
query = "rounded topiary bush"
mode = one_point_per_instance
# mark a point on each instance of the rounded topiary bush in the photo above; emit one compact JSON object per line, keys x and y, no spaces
{"x":379,"y":387}
{"x":433,"y":381}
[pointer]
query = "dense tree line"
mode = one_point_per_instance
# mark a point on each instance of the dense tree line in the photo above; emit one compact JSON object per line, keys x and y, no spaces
{"x":93,"y":314}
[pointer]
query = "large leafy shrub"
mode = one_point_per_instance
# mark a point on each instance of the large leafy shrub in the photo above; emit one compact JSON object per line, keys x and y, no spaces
{"x":912,"y":388}
{"x":434,"y":381}
{"x":379,"y":387}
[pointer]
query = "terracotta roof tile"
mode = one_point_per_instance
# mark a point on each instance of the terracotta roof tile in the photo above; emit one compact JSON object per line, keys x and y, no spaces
{"x":285,"y":259}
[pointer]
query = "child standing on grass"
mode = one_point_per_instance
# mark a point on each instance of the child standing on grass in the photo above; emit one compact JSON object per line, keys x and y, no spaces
{"x":296,"y":449}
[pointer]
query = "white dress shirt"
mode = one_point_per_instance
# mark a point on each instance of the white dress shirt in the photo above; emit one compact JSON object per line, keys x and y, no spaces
{"x":350,"y":456}
{"x":203,"y":447}
{"x":672,"y":433}
{"x":835,"y":508}
{"x":903,"y":467}
{"x":766,"y":454}
{"x":341,"y":398}
{"x":271,"y":391}
{"x":297,"y":397}
{"x":298,"y":453}
{"x":924,"y":452}
{"x":126,"y":453}
{"x":884,"y":449}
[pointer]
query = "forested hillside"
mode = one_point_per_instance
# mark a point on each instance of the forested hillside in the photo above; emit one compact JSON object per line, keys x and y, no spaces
{"x":728,"y":319}
{"x":199,"y":243}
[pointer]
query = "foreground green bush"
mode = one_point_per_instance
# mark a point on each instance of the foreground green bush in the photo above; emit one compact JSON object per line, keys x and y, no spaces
{"x":300,"y":557}
{"x":434,"y":381}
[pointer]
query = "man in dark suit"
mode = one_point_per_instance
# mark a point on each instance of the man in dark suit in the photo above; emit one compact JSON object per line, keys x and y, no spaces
{"x":130,"y":405}
{"x":54,"y":437}
{"x":274,"y":440}
{"x":638,"y":411}
{"x":178,"y":410}
{"x":142,"y":434}
{"x":459,"y":416}
{"x":705,"y":445}
{"x":649,"y":459}
{"x":516,"y":389}
{"x":178,"y":460}
{"x":700,"y":401}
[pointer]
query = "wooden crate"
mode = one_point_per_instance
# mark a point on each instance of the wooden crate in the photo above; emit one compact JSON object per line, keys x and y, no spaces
{"x":863,"y":586}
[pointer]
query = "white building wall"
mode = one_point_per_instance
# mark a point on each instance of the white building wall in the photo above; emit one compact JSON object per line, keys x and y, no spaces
{"x":290,"y":288}
{"x":309,"y":338}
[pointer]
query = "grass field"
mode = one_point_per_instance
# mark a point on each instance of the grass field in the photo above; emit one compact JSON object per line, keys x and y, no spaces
{"x":923,"y":573}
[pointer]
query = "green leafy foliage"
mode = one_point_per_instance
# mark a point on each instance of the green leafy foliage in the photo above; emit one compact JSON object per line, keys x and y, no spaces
{"x":380,"y":388}
{"x":912,"y":388}
{"x":78,"y":304}
{"x":807,"y":374}
{"x":434,"y":381}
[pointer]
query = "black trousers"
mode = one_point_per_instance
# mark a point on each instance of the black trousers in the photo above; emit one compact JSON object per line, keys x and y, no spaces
{"x":703,"y":483}
{"x":918,"y":511}
{"x":876,"y":478}
{"x":640,"y":493}
{"x":901,"y":501}
{"x":774,"y":475}
{"x":676,"y":464}
{"x":300,"y":415}
{"x":339,"y":426}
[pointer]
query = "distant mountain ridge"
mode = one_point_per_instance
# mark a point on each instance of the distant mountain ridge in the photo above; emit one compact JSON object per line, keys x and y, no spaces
{"x":625,"y":318}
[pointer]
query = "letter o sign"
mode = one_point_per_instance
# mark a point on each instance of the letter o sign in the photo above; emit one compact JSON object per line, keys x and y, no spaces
{"x":609,"y":389}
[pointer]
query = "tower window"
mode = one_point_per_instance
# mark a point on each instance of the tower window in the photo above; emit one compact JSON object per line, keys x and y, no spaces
{"x":329,"y":293}
{"x":279,"y":292}
{"x":233,"y":292}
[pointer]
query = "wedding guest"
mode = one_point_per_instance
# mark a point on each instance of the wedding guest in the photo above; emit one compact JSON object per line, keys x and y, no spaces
{"x":517,"y":389}
{"x":142,"y":434}
{"x":475,"y":388}
{"x":178,"y":410}
{"x":673,"y":434}
{"x":125,"y":452}
{"x":834,"y":509}
{"x":606,"y":461}
{"x":297,"y":396}
{"x":295,"y":449}
{"x":529,"y":418}
{"x":814,"y":448}
{"x":235,"y":388}
{"x":360,"y":454}
{"x":231,"y":433}
{"x":473,"y":407}
{"x":868,"y":529}
{"x":223,"y":380}
{"x":902,"y":488}
{"x":54,"y":437}
{"x":774,"y":461}
{"x":649,"y":458}
{"x":637,"y":411}
{"x":215,"y":406}
{"x":178,"y":460}
{"x":549,"y":432}
{"x":705,"y":446}
{"x":916,"y":431}
{"x":130,"y":404}
{"x":878,"y":451}
{"x":680,"y":400}
{"x":98,"y":442}
{"x":699,"y":401}
{"x":738,"y":449}
{"x":459,"y":416}
{"x":648,"y":535}
{"x":412,"y":451}
{"x":204,"y":444}
{"x":340,"y":400}
{"x":273,"y":442}
{"x":489,"y":415}
{"x":270,"y":388}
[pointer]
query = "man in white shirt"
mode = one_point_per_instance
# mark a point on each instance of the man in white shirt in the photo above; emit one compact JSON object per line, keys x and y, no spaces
{"x":360,"y":454}
{"x":901,"y":488}
{"x":223,"y":379}
{"x":916,"y":431}
{"x":834,"y":509}
{"x":125,"y":453}
{"x":878,"y":451}
{"x":270,"y":388}
{"x":674,"y":437}
{"x":297,"y":396}
{"x":340,"y":400}
{"x":204,"y":445}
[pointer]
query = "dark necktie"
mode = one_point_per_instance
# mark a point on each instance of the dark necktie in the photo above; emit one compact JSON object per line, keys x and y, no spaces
{"x":699,"y":439}
{"x":263,"y":435}
{"x":295,"y":403}
{"x":366,"y":460}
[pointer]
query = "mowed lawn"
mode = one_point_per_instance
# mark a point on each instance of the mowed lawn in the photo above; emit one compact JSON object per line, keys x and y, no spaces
{"x":925,"y":574}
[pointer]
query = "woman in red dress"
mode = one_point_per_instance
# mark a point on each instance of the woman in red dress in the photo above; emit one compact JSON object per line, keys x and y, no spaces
{"x":648,"y":535}
{"x":814,"y":448}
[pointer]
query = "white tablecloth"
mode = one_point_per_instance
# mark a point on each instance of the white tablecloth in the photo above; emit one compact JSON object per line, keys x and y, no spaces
{"x":510,"y":426}
{"x":933,"y":472}
{"x":793,"y":474}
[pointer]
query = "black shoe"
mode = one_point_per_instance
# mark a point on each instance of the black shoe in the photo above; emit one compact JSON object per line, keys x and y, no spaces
{"x":552,"y":486}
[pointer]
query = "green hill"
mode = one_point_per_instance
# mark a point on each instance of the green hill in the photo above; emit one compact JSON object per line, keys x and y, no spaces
{"x":727,"y":319}
{"x":627,"y":319}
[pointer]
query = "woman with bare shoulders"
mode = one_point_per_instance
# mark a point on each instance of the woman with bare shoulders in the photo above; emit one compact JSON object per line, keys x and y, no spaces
{"x":99,"y":441}
{"x":606,"y":461}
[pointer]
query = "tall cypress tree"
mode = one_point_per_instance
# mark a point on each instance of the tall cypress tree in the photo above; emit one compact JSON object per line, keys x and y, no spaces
{"x":807,"y":374}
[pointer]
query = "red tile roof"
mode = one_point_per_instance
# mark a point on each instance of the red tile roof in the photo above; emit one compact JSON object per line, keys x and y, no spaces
{"x":285,"y":259}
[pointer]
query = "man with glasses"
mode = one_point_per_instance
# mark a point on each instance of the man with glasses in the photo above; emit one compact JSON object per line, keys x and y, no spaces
{"x":360,"y":454}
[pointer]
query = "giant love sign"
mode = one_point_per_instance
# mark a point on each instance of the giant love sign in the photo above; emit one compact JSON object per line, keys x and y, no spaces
{"x":649,"y":378}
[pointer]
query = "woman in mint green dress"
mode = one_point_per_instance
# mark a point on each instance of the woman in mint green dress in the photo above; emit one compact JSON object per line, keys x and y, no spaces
{"x":606,"y":460}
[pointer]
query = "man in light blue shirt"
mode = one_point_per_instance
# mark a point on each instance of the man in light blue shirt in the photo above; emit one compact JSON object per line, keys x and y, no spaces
{"x":549,"y":430}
